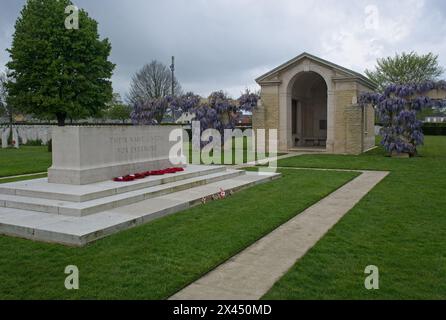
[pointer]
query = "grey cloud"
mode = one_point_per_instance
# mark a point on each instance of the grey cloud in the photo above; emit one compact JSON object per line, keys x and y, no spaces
{"x":225,"y":44}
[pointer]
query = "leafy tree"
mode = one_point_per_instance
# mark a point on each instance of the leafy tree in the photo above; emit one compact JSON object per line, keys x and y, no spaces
{"x":118,"y":110}
{"x":58,"y":72}
{"x":405,"y":68}
{"x":4,"y":108}
{"x":153,"y":81}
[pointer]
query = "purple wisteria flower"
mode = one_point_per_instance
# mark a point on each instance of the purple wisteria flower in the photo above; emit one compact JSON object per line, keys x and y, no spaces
{"x":218,"y":112}
{"x":397,"y":109}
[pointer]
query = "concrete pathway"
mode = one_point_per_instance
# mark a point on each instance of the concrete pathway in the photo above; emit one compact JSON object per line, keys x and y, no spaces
{"x":266,"y":160}
{"x":251,"y":273}
{"x":23,"y":175}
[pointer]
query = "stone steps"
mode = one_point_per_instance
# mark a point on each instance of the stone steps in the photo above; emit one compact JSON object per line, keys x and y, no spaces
{"x":123,"y":198}
{"x":40,"y":188}
{"x":78,"y":231}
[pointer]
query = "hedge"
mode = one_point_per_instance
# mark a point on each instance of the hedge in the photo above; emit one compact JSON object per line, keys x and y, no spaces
{"x":434,"y":129}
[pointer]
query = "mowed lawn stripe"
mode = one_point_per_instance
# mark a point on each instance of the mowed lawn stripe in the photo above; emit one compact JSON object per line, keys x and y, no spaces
{"x":156,"y":260}
{"x":399,"y":227}
{"x":24,"y":160}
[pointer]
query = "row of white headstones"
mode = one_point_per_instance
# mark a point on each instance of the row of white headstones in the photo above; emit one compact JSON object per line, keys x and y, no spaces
{"x":24,"y":134}
{"x":5,"y":136}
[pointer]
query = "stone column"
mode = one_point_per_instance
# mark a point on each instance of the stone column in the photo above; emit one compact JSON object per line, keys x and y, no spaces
{"x":271,"y":104}
{"x":331,"y":105}
{"x":299,"y":123}
{"x":354,"y":129}
{"x":258,"y":122}
{"x":285,"y":136}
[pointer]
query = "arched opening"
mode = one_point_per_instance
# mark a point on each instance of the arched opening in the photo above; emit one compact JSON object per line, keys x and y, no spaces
{"x":309,"y":111}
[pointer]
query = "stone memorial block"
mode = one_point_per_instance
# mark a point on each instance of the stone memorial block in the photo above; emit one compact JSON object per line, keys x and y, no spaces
{"x":88,"y":154}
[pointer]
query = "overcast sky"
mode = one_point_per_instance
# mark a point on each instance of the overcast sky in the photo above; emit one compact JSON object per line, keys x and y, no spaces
{"x":226,"y":44}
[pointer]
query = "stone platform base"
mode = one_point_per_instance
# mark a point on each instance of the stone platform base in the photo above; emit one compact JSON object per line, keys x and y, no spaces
{"x":92,"y":175}
{"x":76,"y":215}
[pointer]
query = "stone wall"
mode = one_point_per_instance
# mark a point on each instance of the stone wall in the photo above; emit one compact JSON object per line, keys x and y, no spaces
{"x":369,"y":132}
{"x":270,"y":98}
{"x":353,"y":129}
{"x":266,"y":115}
{"x":343,"y":99}
{"x":354,"y":126}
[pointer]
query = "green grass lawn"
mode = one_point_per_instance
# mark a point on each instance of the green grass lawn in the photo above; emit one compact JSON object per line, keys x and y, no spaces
{"x":24,"y":160}
{"x":241,"y":153}
{"x":155,"y":260}
{"x":399,"y":227}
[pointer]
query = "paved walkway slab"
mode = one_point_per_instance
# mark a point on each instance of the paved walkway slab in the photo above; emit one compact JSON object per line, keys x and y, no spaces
{"x":251,"y":273}
{"x":22,"y":175}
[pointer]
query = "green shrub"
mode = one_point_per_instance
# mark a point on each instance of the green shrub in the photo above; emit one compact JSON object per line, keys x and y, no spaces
{"x":34,"y":143}
{"x":50,"y":145}
{"x":434,"y":129}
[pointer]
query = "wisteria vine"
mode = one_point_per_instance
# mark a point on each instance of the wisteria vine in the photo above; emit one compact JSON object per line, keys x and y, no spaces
{"x":397,"y":109}
{"x":217,"y":112}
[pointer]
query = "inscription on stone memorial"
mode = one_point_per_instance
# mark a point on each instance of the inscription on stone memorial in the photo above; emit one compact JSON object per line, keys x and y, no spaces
{"x":107,"y":152}
{"x":136,"y":144}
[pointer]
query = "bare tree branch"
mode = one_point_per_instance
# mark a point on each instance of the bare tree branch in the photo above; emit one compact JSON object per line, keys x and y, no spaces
{"x":153,"y":81}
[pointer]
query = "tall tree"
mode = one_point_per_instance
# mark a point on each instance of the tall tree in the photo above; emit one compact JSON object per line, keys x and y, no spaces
{"x":3,"y":95}
{"x":405,"y":68}
{"x":118,"y":110}
{"x":152,"y":81}
{"x":58,"y":72}
{"x":6,"y":109}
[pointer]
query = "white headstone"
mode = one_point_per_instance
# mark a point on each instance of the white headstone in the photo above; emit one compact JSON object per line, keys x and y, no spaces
{"x":22,"y":134}
{"x":15,"y":138}
{"x":33,"y":135}
{"x":5,"y":136}
{"x":46,"y":136}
